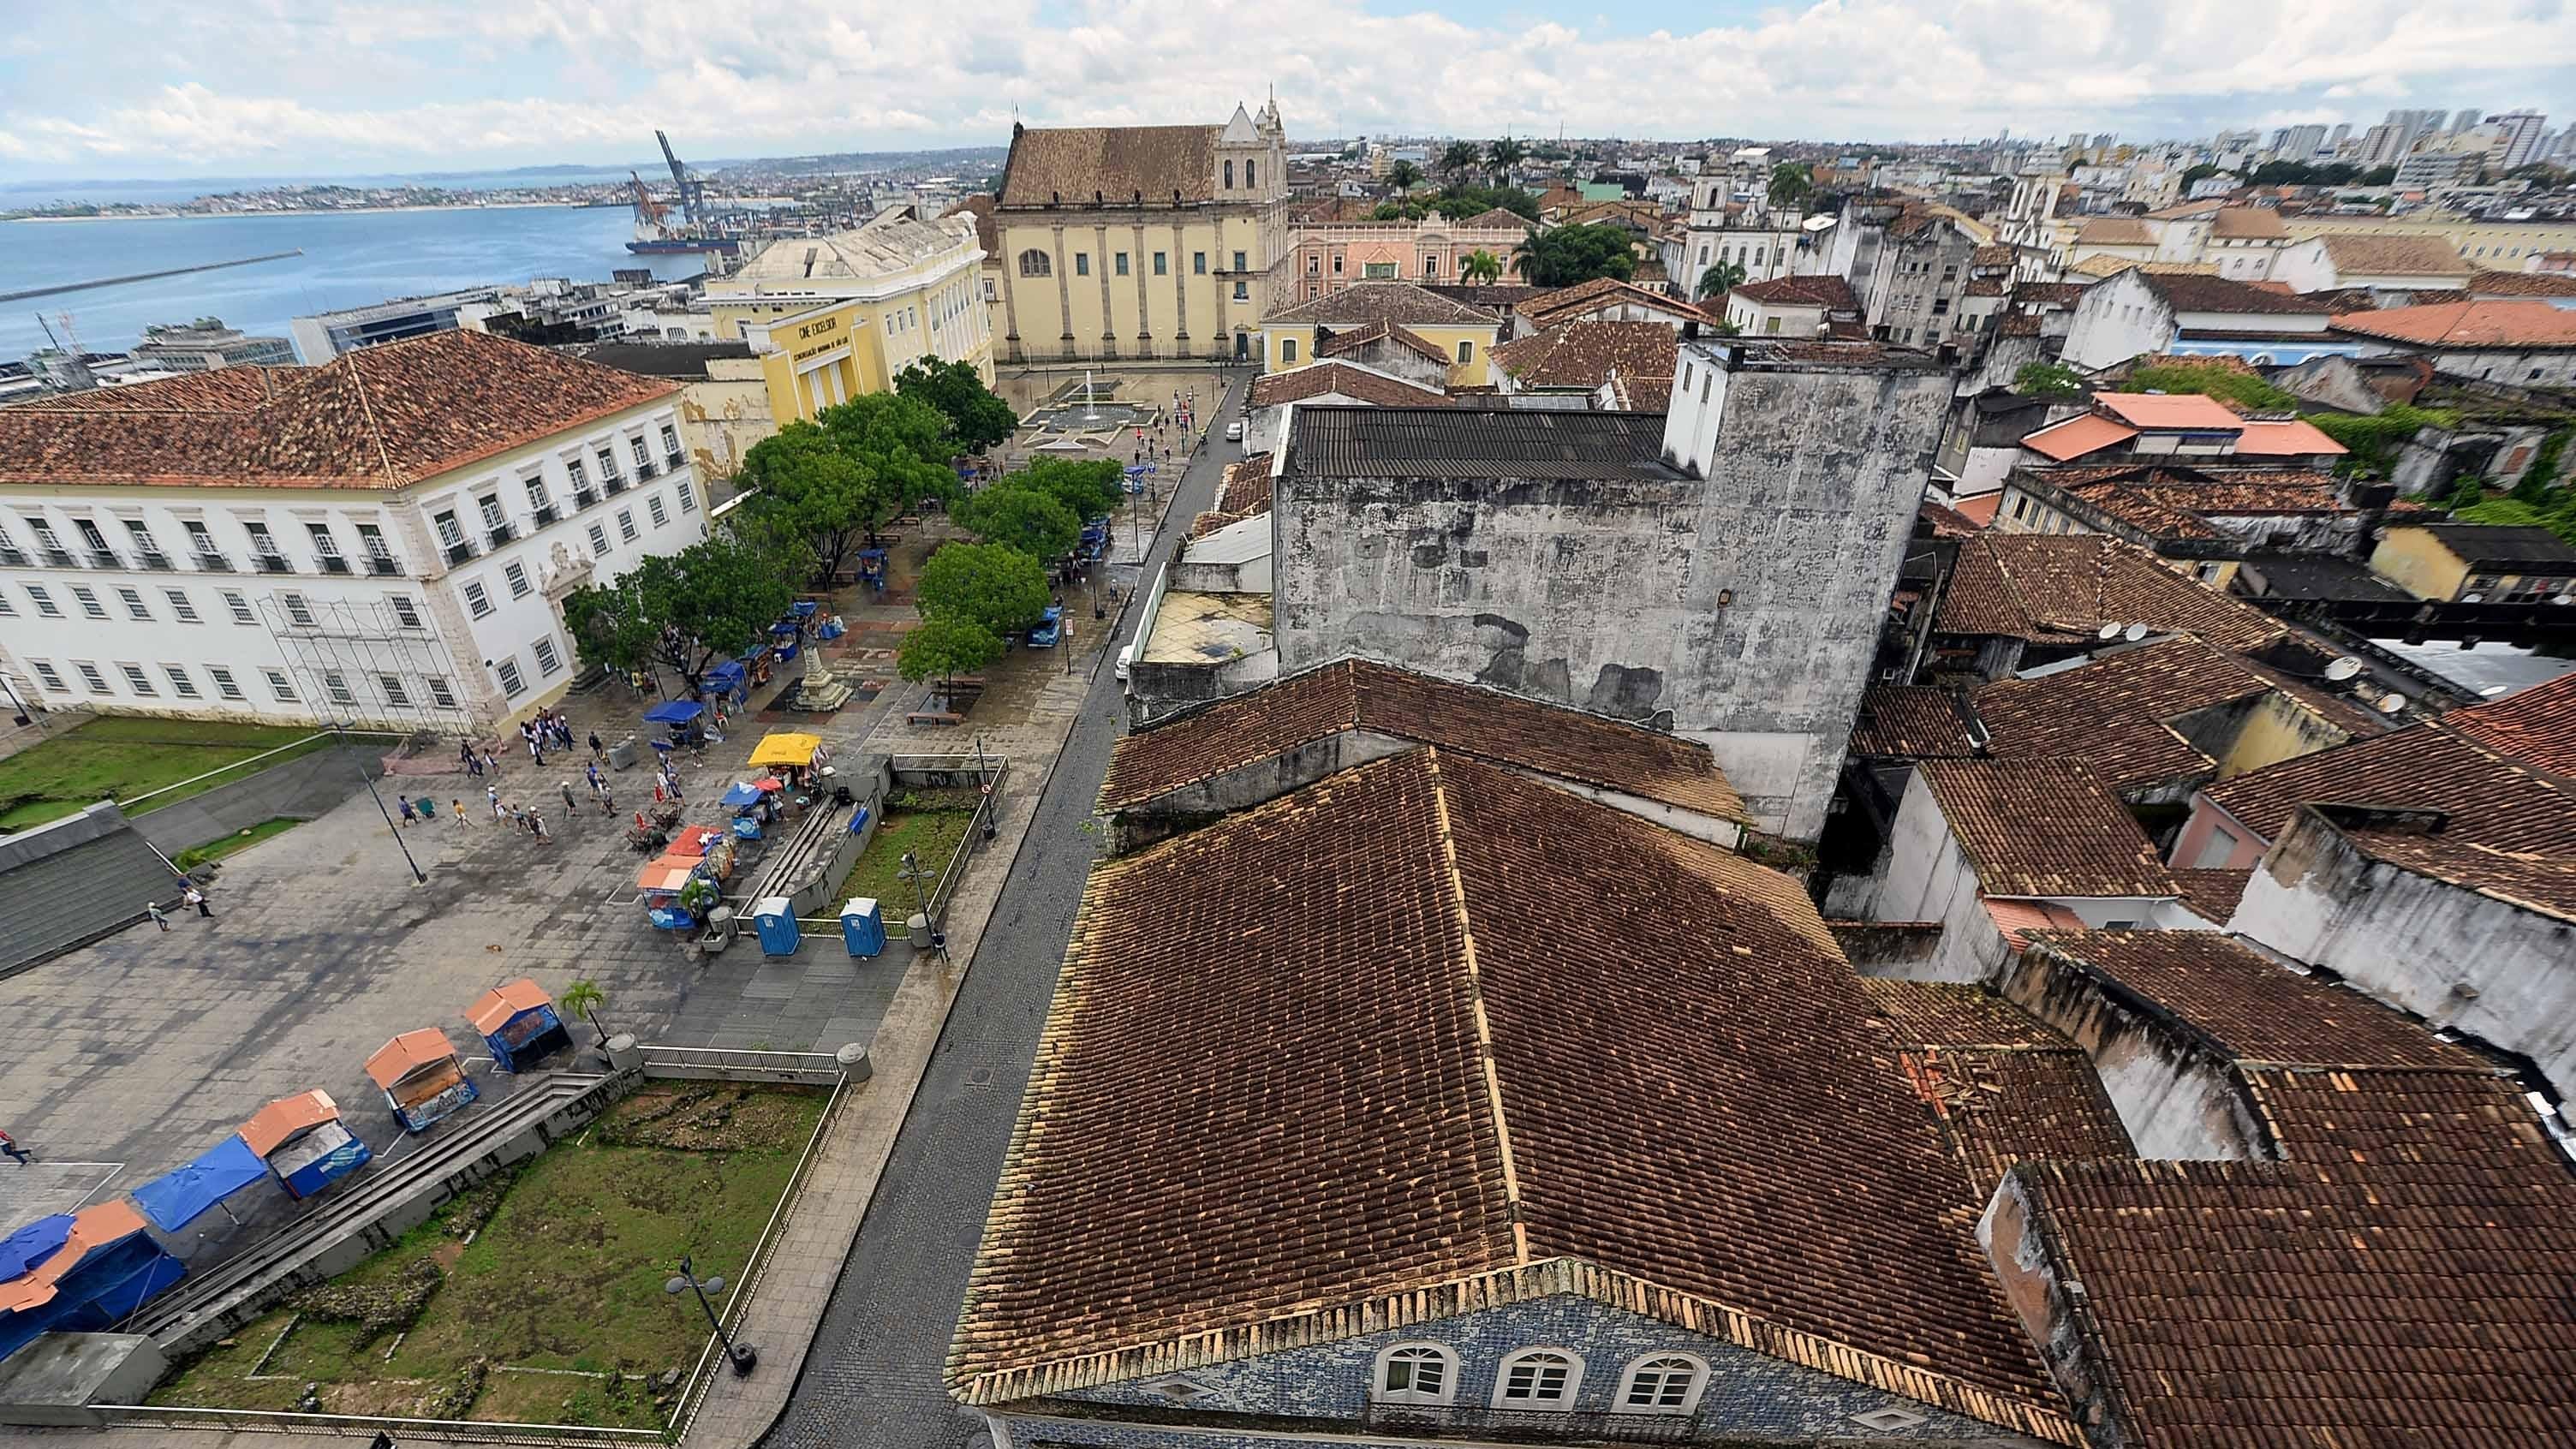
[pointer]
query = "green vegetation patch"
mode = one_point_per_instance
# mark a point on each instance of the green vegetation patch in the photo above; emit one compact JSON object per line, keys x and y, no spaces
{"x":932,"y":836}
{"x":239,"y":840}
{"x":120,"y":757}
{"x":537,"y":1298}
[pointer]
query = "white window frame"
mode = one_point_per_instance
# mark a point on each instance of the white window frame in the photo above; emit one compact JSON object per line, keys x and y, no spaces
{"x":406,"y":613}
{"x":335,"y":687}
{"x":599,"y":540}
{"x":280,"y":685}
{"x":626,"y":528}
{"x":513,"y":683}
{"x":138,"y":679}
{"x":515,"y":574}
{"x":1662,"y":1363}
{"x":182,"y":607}
{"x":441,"y":693}
{"x":549,"y":659}
{"x":661,"y":515}
{"x":132,"y":598}
{"x":48,"y":676}
{"x":91,"y":679}
{"x":1563,"y":1399}
{"x":181,"y":684}
{"x":225,"y":684}
{"x":46,"y":608}
{"x":392,"y":687}
{"x":7,"y":610}
{"x":239,"y":605}
{"x":87,"y":598}
{"x":478,"y":599}
{"x":1448,"y":1391}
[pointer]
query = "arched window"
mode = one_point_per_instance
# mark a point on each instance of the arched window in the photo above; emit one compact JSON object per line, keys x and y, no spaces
{"x":1251,"y":174}
{"x":1415,"y":1373}
{"x":1538,"y":1378}
{"x":1229,"y":176}
{"x":1035,"y":263}
{"x":1663,"y":1383}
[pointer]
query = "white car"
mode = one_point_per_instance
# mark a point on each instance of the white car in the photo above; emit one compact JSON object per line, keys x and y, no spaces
{"x":1234,"y":431}
{"x":1119,"y":670}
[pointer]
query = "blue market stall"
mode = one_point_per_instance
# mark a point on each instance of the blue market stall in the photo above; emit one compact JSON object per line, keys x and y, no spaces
{"x":305,"y":1144}
{"x":679,"y":716}
{"x":730,"y":680}
{"x":182,"y":1195}
{"x":81,"y":1272}
{"x":518,"y":1022}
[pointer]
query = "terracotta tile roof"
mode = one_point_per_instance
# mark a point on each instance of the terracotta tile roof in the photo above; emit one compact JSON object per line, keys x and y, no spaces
{"x":2211,"y":892}
{"x":2428,"y":1126}
{"x":1996,"y":255}
{"x":2243,"y":1006}
{"x":1911,"y":721}
{"x":2045,"y":828}
{"x":2535,"y":881}
{"x":2145,"y":510}
{"x":1560,"y":304}
{"x":1399,"y":302}
{"x":2115,"y":231}
{"x":1980,"y":512}
{"x":2178,"y":411}
{"x":2489,"y":797}
{"x":988,"y":232}
{"x":382,"y":418}
{"x":1350,"y":694}
{"x":2395,"y":256}
{"x":1357,"y":338}
{"x":2535,"y":725}
{"x":2114,"y":713}
{"x":1952,"y":1014}
{"x":2062,"y":294}
{"x":1427,"y":1102}
{"x":1999,"y":1084}
{"x":1246,"y":489}
{"x":1831,"y":293}
{"x":1949,"y":522}
{"x":2521,"y":284}
{"x":1584,"y":354}
{"x":2193,"y":293}
{"x":1066,"y":165}
{"x":2248,"y":223}
{"x":2061,"y":588}
{"x":2077,"y":436}
{"x":2506,"y":324}
{"x":1350,"y":380}
{"x":2240,"y":1303}
{"x":1496,"y":217}
{"x":2289,"y":438}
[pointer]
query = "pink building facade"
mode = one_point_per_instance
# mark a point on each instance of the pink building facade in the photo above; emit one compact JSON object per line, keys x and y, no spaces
{"x":1324,"y":257}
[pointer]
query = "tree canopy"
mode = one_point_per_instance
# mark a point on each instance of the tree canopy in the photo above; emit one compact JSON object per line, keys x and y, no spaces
{"x":977,"y":417}
{"x":1026,"y":518}
{"x":944,"y":646}
{"x":1480,"y":266}
{"x":1721,"y":278}
{"x":1571,"y":254}
{"x":1457,"y":202}
{"x":1458,"y":158}
{"x":1792,"y":183}
{"x":989,"y":584}
{"x":1505,"y":154}
{"x":834,"y":482}
{"x":1090,"y":488}
{"x":685,"y":611}
{"x":1403,"y":175}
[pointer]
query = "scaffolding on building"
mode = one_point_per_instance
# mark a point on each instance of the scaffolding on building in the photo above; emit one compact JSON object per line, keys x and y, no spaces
{"x":376,"y":663}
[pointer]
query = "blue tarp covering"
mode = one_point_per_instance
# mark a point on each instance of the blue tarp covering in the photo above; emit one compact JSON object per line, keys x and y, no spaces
{"x":674,"y":711}
{"x":175,"y":1199}
{"x":32,"y":1244}
{"x":805,"y":608}
{"x":97,"y":1294}
{"x":741,"y":794}
{"x":725,"y":675}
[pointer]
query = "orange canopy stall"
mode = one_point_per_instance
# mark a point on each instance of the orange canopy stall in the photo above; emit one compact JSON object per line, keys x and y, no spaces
{"x":421,"y":1077}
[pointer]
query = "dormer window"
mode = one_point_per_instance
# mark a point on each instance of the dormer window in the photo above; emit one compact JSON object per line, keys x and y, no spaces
{"x":1664,"y":1383}
{"x":1538,"y":1378}
{"x":1415,"y":1373}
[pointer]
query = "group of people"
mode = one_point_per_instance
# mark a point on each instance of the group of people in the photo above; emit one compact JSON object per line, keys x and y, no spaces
{"x":549,"y":730}
{"x":193,"y":898}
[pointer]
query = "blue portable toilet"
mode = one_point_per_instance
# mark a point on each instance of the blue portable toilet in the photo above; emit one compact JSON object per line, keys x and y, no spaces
{"x":775,"y":918}
{"x":863,"y":926}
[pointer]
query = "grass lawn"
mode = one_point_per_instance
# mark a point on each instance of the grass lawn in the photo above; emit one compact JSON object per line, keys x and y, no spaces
{"x":195,"y":856}
{"x":932,"y":837}
{"x":122,"y":756}
{"x":544,"y":1299}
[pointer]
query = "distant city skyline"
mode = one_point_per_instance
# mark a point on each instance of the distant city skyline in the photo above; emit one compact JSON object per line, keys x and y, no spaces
{"x":317,"y":88}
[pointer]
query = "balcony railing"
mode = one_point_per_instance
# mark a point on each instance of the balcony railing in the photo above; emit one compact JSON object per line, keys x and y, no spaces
{"x":584,"y":497}
{"x":615,"y":484}
{"x":61,"y":558}
{"x":499,"y":534}
{"x":105,"y":558}
{"x":211,"y":562}
{"x":273,"y":563}
{"x":459,"y":551}
{"x":13,"y":558}
{"x":332,"y":563}
{"x":545,"y":515}
{"x":675,"y":461}
{"x":1538,"y":1426}
{"x":645,"y":471}
{"x":156,"y":560}
{"x":384,"y":565}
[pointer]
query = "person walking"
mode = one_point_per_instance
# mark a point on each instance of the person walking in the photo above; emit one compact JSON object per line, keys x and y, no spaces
{"x":9,"y":1147}
{"x":537,"y":826}
{"x":607,"y":800}
{"x":598,"y":751}
{"x":491,"y":761}
{"x":153,"y":909}
{"x":460,"y":809}
{"x":196,"y":896}
{"x":473,"y":764}
{"x":493,"y":794}
{"x":407,"y":813}
{"x":566,"y":787}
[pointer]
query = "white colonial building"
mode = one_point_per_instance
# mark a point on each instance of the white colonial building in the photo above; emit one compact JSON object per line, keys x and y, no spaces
{"x":385,"y":539}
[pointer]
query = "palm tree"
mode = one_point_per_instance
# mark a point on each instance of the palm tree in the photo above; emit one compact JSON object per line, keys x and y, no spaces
{"x":1459,"y":158}
{"x":1525,"y":259}
{"x":1505,"y":154}
{"x":1791,"y":184}
{"x":584,"y":998}
{"x":1404,"y":176}
{"x":1481,"y":267}
{"x":1720,"y":279}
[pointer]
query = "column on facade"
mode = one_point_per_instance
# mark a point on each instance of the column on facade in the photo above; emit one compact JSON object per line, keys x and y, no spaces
{"x":1108,"y":307}
{"x":1063,"y":267}
{"x":1144,"y":262}
{"x":1180,"y":288}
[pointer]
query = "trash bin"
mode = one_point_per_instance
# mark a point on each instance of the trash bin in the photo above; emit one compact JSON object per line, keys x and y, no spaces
{"x":623,"y":1053}
{"x":621,"y":755}
{"x":863,"y":926}
{"x":917,"y":930}
{"x":719,"y":928}
{"x":775,"y":919}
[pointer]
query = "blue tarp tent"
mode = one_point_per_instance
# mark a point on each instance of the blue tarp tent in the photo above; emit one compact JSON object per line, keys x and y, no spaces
{"x":104,"y":1267}
{"x":32,"y":1244}
{"x":741,"y":794}
{"x":179,"y":1197}
{"x":674,"y":712}
{"x":727,"y":678}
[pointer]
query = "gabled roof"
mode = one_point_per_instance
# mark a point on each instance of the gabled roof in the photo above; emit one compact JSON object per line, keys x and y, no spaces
{"x":2501,"y":546}
{"x":2045,"y":827}
{"x":1913,"y":722}
{"x":2501,"y":324}
{"x":1469,"y":719}
{"x":1399,"y":302}
{"x":2077,"y":436}
{"x":493,"y":1009}
{"x":2489,"y":797}
{"x":380,"y":418}
{"x":2394,"y":256}
{"x":1495,"y":217}
{"x":1348,"y":379}
{"x":2536,"y":725}
{"x":2115,"y":231}
{"x":398,"y":1058}
{"x":2188,"y":292}
{"x":270,"y":1126}
{"x":2001,"y":1085}
{"x":2522,"y":284}
{"x":1831,"y":293}
{"x":1066,"y":165}
{"x":1357,"y":338}
{"x":2115,"y":714}
{"x":2169,"y":412}
{"x":2285,"y":438}
{"x":1584,"y":354}
{"x":880,"y":248}
{"x":2061,"y":588}
{"x":1327,"y":1067}
{"x":1562,"y":304}
{"x":2248,"y":223}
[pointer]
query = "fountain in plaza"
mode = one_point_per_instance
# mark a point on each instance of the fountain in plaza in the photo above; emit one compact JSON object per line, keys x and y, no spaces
{"x":1090,"y":399}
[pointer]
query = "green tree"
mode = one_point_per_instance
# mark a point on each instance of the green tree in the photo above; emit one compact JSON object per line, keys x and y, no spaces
{"x":688,"y":610}
{"x":977,"y":417}
{"x":2193,"y":175}
{"x":1458,"y":202}
{"x":1091,"y":488}
{"x":1457,"y":159}
{"x":1503,"y":155}
{"x":1569,"y":254}
{"x":1791,"y":184}
{"x":583,"y":998}
{"x":990,"y":584}
{"x":2210,"y":379}
{"x":1721,"y":278}
{"x":2469,"y":494}
{"x":1025,"y":518}
{"x":2048,"y":379}
{"x":838,"y":480}
{"x":1481,"y":267}
{"x":1403,"y":176}
{"x":944,"y":646}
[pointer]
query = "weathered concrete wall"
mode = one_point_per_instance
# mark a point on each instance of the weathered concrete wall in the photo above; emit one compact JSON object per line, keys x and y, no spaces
{"x":1743,"y":606}
{"x":1924,"y":876}
{"x":2176,"y":1099}
{"x":2017,"y":1246}
{"x":2277,"y":728}
{"x":2452,"y":956}
{"x":299,"y":789}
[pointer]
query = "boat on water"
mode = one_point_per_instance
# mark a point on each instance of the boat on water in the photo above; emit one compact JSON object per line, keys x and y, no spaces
{"x":652,"y":246}
{"x":657,"y":234}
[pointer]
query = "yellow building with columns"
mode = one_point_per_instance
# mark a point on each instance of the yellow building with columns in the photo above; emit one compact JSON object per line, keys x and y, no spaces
{"x":836,"y":316}
{"x":1124,"y":242}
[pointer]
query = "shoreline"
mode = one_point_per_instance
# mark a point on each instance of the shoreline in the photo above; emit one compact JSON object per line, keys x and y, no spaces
{"x":320,"y":211}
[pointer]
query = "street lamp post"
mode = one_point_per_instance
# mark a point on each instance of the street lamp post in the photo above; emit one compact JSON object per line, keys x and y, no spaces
{"x":742,"y":1356}
{"x":341,"y":729}
{"x":913,"y":874}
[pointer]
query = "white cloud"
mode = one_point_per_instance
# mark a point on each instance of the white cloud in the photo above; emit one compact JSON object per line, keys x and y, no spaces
{"x":311,"y":85}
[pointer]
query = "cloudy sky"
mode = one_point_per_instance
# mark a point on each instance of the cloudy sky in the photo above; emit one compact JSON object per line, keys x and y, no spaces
{"x":150,"y":88}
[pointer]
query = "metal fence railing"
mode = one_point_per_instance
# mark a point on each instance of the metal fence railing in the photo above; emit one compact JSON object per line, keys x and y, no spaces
{"x":988,"y":809}
{"x":728,"y":1064}
{"x":290,"y":1422}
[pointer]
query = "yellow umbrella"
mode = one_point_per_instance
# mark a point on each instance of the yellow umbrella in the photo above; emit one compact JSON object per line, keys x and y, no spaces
{"x":787,"y":749}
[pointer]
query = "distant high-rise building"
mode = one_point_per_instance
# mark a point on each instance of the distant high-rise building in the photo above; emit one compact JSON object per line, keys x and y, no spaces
{"x":2335,"y":138}
{"x":2467,"y":117}
{"x":2298,"y":143}
{"x":2382,"y":144}
{"x":2418,"y":123}
{"x":2076,"y":141}
{"x":2522,"y":133}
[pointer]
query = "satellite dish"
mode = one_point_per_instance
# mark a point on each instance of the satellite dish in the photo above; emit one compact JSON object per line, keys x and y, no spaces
{"x":2109,"y":631}
{"x":2134,"y":633}
{"x":2391,"y":703}
{"x":2343,"y":669}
